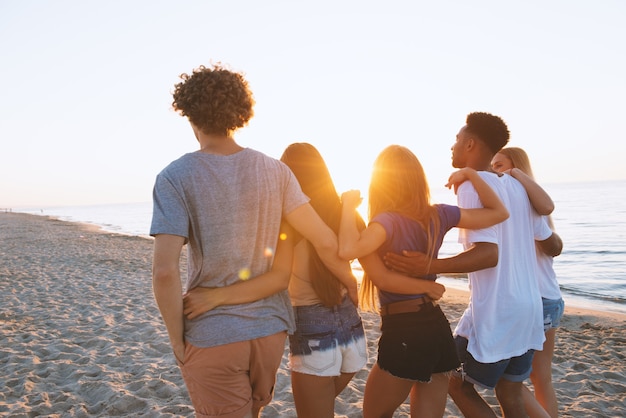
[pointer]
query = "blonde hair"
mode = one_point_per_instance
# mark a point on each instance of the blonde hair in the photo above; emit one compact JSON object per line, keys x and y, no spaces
{"x":519,"y":159}
{"x":399,"y":185}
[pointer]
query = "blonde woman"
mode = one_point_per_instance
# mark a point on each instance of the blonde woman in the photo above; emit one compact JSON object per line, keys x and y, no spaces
{"x":416,"y":350}
{"x":514,"y":160}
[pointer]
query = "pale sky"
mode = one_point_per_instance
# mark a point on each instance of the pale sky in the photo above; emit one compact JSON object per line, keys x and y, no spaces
{"x":85,"y":109}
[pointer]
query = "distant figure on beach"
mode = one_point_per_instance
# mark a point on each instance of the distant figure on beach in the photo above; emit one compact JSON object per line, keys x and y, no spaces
{"x":506,"y":161}
{"x":226,"y":202}
{"x":503,"y":323}
{"x":416,"y":350}
{"x":328,"y":346}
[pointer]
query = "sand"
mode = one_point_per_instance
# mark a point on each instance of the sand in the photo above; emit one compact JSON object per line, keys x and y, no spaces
{"x":81,"y":335}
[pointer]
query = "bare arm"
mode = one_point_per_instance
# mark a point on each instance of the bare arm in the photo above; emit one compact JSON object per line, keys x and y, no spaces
{"x":352,"y":242}
{"x":168,"y":289}
{"x":307,"y":222}
{"x":551,"y":246}
{"x":539,"y":198}
{"x":395,"y":282}
{"x":201,"y":299}
{"x":493,"y":210}
{"x":480,"y":256}
{"x":363,"y":244}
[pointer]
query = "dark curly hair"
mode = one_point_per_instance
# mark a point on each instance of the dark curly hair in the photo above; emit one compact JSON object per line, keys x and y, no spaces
{"x":216,"y":100}
{"x":488,"y":128}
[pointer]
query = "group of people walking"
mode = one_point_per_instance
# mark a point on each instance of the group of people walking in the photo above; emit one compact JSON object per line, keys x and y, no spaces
{"x":269,"y":248}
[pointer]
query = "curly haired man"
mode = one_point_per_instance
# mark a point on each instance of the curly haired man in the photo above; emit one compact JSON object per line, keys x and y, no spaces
{"x":228,"y":320}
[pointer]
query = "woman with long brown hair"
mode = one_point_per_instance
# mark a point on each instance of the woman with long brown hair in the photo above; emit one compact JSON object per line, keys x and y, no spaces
{"x":328,"y":346}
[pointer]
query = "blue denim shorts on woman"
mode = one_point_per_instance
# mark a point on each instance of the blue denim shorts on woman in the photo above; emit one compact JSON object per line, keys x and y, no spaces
{"x":552,"y":313}
{"x":327,"y":341}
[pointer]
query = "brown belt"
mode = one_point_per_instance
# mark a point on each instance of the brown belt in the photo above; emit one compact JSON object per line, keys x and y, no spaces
{"x":411,"y":305}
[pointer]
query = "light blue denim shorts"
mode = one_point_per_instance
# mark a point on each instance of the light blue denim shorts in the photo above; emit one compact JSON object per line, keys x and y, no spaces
{"x":552,"y":313}
{"x":327,"y":341}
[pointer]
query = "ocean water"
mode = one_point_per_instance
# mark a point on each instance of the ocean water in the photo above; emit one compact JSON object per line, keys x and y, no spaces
{"x":589,"y":217}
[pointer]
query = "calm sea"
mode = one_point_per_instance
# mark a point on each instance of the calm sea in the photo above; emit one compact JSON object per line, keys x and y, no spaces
{"x":590,"y":217}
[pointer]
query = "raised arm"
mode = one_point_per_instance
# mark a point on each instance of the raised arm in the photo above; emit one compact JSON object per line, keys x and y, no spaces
{"x":493,"y":210}
{"x":201,"y":299}
{"x":352,"y":242}
{"x":307,"y":222}
{"x":539,"y":198}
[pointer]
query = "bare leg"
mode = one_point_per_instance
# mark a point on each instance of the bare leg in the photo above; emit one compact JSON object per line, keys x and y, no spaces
{"x":471,"y":404}
{"x":314,"y":396}
{"x":533,"y":408}
{"x":429,"y":399}
{"x":383,"y":393}
{"x":541,"y":376}
{"x":342,"y":381}
{"x":509,"y":396}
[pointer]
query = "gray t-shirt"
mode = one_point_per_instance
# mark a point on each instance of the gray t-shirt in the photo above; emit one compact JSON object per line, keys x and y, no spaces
{"x":229,"y":209}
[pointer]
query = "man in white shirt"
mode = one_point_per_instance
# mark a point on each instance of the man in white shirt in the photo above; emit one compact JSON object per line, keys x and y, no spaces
{"x":502,"y":325}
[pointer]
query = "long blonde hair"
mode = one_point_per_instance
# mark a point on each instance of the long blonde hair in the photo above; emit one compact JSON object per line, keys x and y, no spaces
{"x":399,"y":185}
{"x":519,"y":159}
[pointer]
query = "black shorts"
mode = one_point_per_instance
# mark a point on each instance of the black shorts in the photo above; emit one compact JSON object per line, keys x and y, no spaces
{"x":416,"y":345}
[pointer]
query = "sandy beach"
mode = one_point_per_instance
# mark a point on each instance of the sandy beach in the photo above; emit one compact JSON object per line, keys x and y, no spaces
{"x":82,"y":337}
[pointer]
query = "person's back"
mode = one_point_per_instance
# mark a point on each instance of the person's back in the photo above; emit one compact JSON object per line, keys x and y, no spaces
{"x":232,"y":206}
{"x":503,"y":318}
{"x":405,"y":233}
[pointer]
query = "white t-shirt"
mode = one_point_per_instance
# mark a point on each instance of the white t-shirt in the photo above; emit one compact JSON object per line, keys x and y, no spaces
{"x":546,"y":276}
{"x":504,"y":318}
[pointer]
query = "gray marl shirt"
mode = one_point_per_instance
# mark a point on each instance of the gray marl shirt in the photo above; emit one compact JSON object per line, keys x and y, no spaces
{"x":229,"y":209}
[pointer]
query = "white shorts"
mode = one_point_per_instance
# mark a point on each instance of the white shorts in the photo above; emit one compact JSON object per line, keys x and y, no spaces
{"x":327,"y":341}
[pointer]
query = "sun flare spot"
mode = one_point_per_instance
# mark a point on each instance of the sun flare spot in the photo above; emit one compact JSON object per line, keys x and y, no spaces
{"x":268,"y":252}
{"x":244,"y":274}
{"x":282,"y":236}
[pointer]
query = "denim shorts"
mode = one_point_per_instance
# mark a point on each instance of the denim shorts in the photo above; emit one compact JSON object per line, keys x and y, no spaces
{"x":327,"y":341}
{"x":552,"y":313}
{"x":486,"y":375}
{"x":416,"y":345}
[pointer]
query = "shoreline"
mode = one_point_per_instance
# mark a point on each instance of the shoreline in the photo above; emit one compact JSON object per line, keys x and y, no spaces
{"x":456,"y":281}
{"x":82,"y":335}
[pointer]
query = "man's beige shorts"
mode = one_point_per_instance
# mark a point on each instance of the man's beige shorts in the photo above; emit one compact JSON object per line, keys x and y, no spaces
{"x":232,"y":379}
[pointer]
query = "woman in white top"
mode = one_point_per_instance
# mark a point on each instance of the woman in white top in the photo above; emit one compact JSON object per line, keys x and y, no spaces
{"x":507,"y":160}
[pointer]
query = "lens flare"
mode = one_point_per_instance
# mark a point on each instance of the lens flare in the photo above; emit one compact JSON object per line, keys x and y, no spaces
{"x":244,"y":274}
